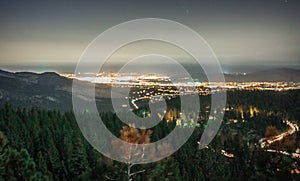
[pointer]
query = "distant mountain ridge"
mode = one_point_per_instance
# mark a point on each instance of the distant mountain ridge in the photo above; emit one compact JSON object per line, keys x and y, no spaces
{"x":27,"y":88}
{"x":50,"y":90}
{"x":270,"y":75}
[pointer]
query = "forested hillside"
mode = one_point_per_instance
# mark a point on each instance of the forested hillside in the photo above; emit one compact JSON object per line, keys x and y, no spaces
{"x":39,"y":144}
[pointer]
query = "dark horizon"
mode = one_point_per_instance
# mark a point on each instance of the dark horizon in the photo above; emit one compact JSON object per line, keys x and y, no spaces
{"x":70,"y":69}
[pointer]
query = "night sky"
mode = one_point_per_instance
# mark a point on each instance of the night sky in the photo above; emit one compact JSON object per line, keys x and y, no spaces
{"x":243,"y":34}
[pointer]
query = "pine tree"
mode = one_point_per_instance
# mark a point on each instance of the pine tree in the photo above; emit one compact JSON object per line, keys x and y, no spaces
{"x":78,"y":164}
{"x":53,"y":161}
{"x":16,"y":165}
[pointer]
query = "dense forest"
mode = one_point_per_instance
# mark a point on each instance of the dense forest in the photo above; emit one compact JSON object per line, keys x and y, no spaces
{"x":41,"y":144}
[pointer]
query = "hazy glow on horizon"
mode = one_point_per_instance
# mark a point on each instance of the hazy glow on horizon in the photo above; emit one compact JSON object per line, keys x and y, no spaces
{"x":240,"y":33}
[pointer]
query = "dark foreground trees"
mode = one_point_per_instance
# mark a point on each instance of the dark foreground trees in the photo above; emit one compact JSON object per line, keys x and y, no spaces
{"x":38,"y":144}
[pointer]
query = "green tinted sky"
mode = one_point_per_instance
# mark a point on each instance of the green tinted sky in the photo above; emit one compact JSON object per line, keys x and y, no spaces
{"x":260,"y":32}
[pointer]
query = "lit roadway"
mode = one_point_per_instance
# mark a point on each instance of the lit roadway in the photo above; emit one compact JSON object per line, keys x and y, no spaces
{"x":268,"y":141}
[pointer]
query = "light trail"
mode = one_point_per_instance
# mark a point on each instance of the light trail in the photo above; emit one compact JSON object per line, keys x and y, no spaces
{"x":223,"y":152}
{"x":264,"y":142}
{"x":294,"y":155}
